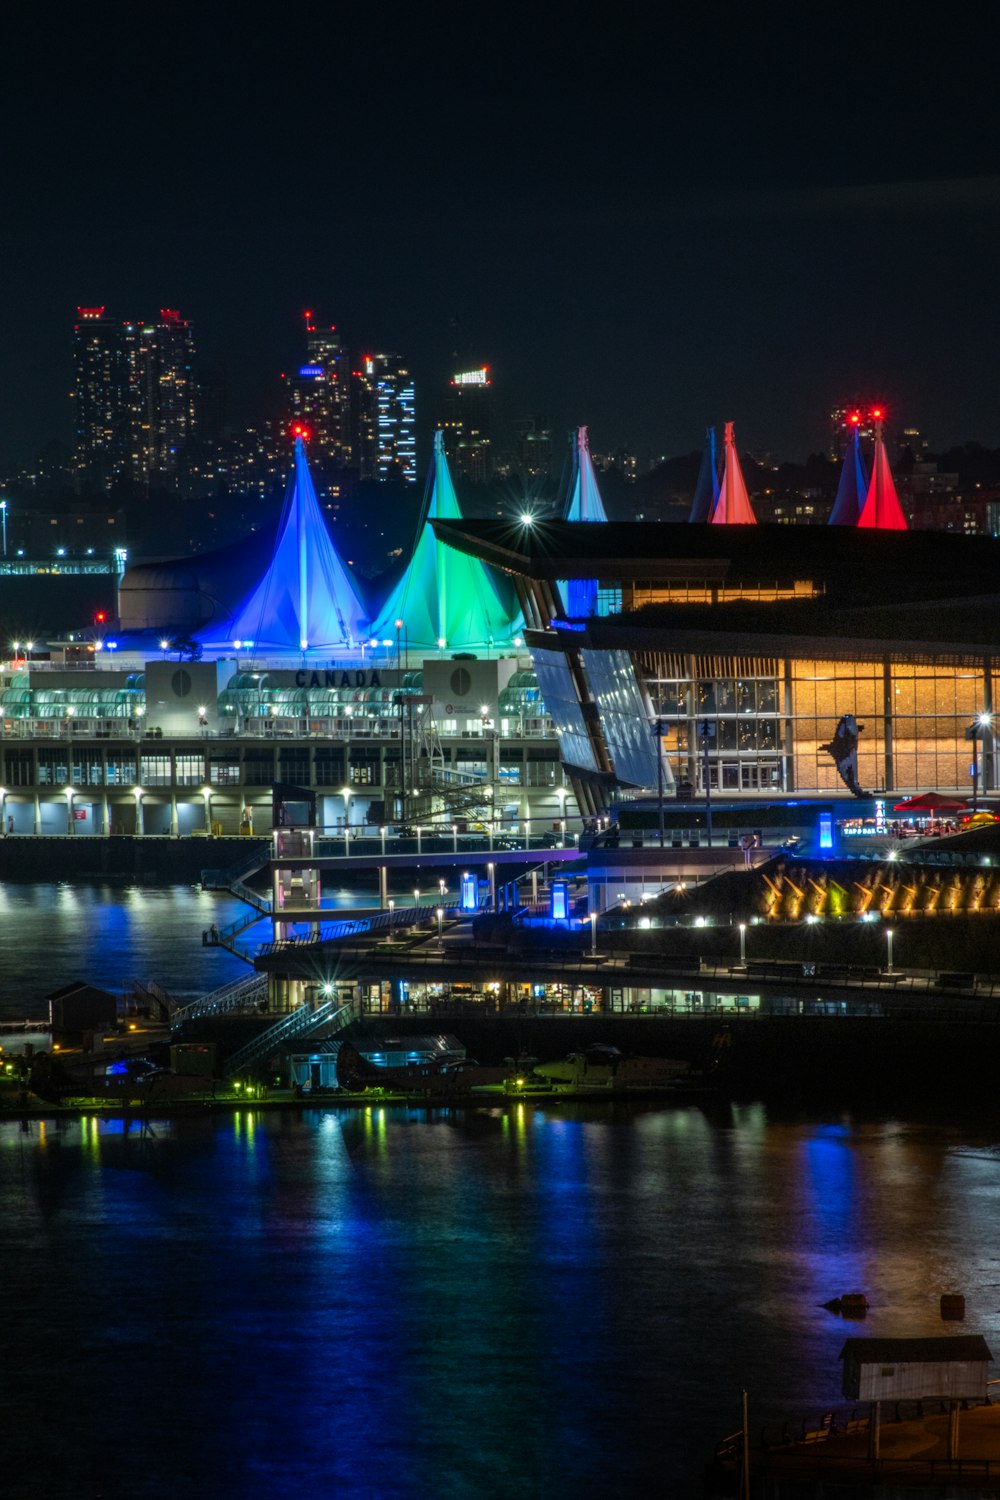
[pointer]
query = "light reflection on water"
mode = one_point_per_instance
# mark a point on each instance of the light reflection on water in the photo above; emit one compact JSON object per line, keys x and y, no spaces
{"x":402,"y":1303}
{"x":109,"y":934}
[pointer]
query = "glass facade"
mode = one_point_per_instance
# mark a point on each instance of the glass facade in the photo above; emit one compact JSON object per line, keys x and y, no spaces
{"x":563,"y":704}
{"x":760,"y":724}
{"x":624,"y":717}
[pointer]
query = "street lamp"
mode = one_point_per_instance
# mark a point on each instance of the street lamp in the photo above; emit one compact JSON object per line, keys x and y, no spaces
{"x":593,"y":932}
{"x":3,"y":517}
{"x":743,"y":942}
{"x":978,"y":731}
{"x":345,"y":792}
{"x":440,"y":917}
{"x":888,"y":939}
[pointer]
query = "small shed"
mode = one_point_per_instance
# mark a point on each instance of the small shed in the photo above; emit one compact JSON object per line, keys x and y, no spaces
{"x":80,"y":1007}
{"x":907,"y":1369}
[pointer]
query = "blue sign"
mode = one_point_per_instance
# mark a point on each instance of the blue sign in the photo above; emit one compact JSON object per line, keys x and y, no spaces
{"x":470,"y":893}
{"x":826,"y":830}
{"x":560,"y":901}
{"x":312,"y":372}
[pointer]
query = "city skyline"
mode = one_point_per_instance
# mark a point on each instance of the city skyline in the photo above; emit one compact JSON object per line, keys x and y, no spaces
{"x":669,"y":221}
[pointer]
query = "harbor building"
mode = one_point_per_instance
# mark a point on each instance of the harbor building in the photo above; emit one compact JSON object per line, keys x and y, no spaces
{"x":748,"y":660}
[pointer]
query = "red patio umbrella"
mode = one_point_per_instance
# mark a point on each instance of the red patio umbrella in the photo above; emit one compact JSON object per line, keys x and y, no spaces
{"x":930,"y":802}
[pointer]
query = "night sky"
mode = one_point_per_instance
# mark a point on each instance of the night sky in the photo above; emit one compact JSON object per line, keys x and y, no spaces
{"x":644,"y":218}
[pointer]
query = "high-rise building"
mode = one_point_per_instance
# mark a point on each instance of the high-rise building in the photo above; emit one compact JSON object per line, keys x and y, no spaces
{"x":468,"y":424}
{"x":164,"y":394}
{"x":319,"y":395}
{"x":534,"y":447}
{"x":383,"y":414}
{"x":101,"y":397}
{"x":134,"y":398}
{"x":844,"y":418}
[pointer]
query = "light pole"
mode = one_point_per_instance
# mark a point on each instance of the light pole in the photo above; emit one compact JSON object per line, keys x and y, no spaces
{"x":743,"y":942}
{"x":382,"y":837}
{"x":440,"y":917}
{"x":978,"y":731}
{"x":3,"y":517}
{"x":707,"y":778}
{"x":454,"y":838}
{"x":593,"y":932}
{"x":345,"y":792}
{"x":888,"y":939}
{"x":419,"y":832}
{"x":658,"y":740}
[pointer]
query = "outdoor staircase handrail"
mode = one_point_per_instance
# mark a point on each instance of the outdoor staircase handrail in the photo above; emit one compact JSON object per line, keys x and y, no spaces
{"x":254,"y":860}
{"x":383,"y":921}
{"x":299,"y":1023}
{"x":251,"y":897}
{"x":238,"y":994}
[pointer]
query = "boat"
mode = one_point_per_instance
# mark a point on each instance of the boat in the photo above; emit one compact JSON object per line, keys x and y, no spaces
{"x":607,"y":1068}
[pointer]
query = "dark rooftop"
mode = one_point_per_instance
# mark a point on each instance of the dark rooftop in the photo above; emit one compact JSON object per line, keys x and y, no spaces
{"x":967,"y":1346}
{"x":852,"y":564}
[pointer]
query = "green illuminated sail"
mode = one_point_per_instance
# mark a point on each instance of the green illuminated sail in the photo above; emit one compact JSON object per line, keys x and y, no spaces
{"x":445,"y":599}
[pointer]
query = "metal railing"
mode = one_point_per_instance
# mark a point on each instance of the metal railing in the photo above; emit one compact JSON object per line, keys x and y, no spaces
{"x":254,"y":860}
{"x":383,"y":921}
{"x":239,"y":995}
{"x":300,"y":1023}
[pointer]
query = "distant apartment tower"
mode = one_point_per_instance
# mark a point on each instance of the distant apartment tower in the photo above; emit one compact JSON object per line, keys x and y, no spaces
{"x":102,"y":399}
{"x":319,"y":394}
{"x":134,"y":398}
{"x":383,"y":409}
{"x":164,"y":385}
{"x":468,"y":424}
{"x":534,"y":447}
{"x":842,"y":424}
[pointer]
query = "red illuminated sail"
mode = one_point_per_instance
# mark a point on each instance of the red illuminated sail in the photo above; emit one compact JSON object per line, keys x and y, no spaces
{"x":733,"y":506}
{"x":882,"y":510}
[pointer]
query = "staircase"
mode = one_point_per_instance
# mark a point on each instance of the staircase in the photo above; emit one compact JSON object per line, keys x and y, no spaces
{"x":225,"y":937}
{"x":222,"y":880}
{"x":237,"y":996}
{"x":147,"y":994}
{"x":233,"y":879}
{"x":300,"y":1023}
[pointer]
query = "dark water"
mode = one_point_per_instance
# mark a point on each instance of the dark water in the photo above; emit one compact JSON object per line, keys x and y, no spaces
{"x":55,"y":933}
{"x":453,"y":1304}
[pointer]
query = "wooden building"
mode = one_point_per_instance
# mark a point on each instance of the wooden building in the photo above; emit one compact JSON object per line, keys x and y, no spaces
{"x":954,"y":1368}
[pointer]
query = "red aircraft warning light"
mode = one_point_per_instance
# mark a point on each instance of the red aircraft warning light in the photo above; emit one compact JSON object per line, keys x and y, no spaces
{"x":300,"y":430}
{"x":855,"y":418}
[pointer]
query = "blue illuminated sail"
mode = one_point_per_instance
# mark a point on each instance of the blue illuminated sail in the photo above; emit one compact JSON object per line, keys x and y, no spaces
{"x":706,"y":491}
{"x":585,"y":504}
{"x":306,"y":599}
{"x":853,"y":486}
